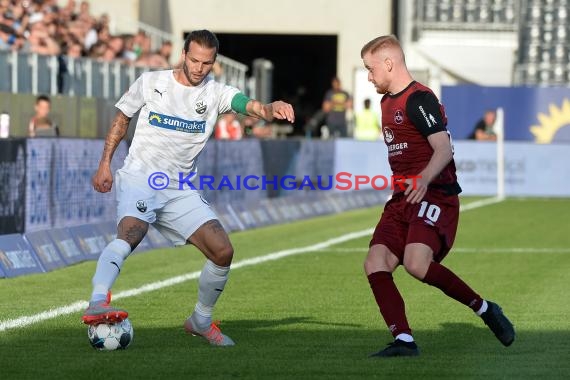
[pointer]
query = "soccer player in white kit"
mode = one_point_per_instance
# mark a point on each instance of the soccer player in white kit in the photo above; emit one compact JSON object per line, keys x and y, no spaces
{"x":178,"y":112}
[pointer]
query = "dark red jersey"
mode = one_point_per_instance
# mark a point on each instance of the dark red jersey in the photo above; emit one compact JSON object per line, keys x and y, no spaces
{"x":408,"y":118}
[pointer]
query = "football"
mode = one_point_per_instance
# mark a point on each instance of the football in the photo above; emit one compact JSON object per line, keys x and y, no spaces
{"x":111,"y":336}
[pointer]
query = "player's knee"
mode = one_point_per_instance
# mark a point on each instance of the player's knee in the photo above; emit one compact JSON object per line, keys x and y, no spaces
{"x":369,"y":265}
{"x":380,"y":259}
{"x":416,"y":268}
{"x":223,"y":256}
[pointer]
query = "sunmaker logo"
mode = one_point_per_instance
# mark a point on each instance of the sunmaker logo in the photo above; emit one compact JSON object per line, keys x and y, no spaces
{"x":176,"y":124}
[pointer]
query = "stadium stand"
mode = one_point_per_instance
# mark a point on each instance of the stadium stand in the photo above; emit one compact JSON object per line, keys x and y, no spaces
{"x":544,"y":40}
{"x":466,"y":14}
{"x":541,"y":29}
{"x":51,"y":49}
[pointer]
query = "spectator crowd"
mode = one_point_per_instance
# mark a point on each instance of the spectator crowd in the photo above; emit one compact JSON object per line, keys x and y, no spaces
{"x":43,"y":27}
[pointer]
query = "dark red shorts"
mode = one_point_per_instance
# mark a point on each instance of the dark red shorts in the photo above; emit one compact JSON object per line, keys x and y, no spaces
{"x":432,"y":222}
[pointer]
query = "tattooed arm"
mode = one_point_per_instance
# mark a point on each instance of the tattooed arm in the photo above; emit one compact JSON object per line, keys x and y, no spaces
{"x":103,"y":179}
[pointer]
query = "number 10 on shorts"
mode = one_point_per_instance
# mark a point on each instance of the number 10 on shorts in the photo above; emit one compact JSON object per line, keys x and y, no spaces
{"x":429,"y":211}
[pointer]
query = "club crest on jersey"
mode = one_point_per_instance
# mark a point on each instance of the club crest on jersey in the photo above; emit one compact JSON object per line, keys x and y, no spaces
{"x":141,"y":206}
{"x":399,"y":117}
{"x":201,"y":107}
{"x":388,"y":135}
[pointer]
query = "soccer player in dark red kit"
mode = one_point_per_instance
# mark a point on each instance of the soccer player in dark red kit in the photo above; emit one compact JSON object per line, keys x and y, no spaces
{"x":419,"y":222}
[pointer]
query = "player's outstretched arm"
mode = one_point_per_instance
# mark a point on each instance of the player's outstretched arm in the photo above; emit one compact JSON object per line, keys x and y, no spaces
{"x":268,"y":112}
{"x":103,"y":178}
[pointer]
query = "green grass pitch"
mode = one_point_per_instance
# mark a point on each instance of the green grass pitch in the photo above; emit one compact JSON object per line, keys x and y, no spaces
{"x":312,"y":315}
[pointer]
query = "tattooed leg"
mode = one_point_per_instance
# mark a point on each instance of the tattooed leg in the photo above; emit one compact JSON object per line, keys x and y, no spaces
{"x":130,"y":233}
{"x":132,"y":230}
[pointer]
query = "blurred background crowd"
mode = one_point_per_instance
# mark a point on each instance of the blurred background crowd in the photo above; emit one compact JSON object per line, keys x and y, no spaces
{"x":43,"y":27}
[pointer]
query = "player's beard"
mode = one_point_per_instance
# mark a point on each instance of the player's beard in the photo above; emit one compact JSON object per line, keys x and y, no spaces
{"x":380,"y":89}
{"x":189,"y":76}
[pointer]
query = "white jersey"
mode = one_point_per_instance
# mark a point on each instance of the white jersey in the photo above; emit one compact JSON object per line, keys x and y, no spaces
{"x":174,"y":124}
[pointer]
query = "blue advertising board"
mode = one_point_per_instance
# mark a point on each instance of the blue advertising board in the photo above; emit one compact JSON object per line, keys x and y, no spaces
{"x":539,"y":114}
{"x":70,"y":251}
{"x":46,"y":250}
{"x":90,"y":240}
{"x":229,"y":220}
{"x":244,"y":214}
{"x":59,"y":191}
{"x":12,"y":185}
{"x":108,"y":229}
{"x":17,"y":257}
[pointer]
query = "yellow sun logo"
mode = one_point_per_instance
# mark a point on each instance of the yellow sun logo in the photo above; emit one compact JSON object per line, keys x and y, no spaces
{"x":549,"y":125}
{"x":155,"y":117}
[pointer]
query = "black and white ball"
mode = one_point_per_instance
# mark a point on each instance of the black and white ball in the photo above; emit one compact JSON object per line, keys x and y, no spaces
{"x":111,"y":336}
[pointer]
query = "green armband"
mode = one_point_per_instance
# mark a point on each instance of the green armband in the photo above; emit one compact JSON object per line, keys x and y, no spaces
{"x":239,"y":103}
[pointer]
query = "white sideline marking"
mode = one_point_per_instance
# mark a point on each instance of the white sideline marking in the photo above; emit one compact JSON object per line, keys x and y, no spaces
{"x":81,"y":305}
{"x":480,"y":203}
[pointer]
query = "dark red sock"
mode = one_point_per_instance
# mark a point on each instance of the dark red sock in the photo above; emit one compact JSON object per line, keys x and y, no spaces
{"x":390,"y":302}
{"x":448,"y":282}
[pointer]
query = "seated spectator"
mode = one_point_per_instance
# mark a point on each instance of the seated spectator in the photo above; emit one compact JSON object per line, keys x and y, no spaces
{"x":74,"y":50}
{"x":40,"y":124}
{"x":152,"y":60}
{"x":483,"y":130}
{"x":165,"y":50}
{"x":141,"y":43}
{"x":17,"y":18}
{"x":97,"y":51}
{"x":44,"y":127}
{"x":40,"y":41}
{"x":7,"y":37}
{"x":68,"y":10}
{"x":84,"y":14}
{"x":129,"y":54}
{"x":114,"y":50}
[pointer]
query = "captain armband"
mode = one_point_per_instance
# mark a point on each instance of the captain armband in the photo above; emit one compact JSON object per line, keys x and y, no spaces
{"x":239,"y":103}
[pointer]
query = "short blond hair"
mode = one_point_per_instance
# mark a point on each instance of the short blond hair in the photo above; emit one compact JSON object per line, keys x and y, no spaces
{"x":382,"y":42}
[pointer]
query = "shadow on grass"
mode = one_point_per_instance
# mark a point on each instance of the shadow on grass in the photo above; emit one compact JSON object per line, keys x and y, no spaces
{"x":297,"y":347}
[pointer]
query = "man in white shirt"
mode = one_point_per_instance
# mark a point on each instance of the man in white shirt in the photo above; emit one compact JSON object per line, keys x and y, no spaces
{"x":178,"y":112}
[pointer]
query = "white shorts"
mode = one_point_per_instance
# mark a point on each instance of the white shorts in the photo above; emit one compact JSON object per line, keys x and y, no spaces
{"x":177,"y":214}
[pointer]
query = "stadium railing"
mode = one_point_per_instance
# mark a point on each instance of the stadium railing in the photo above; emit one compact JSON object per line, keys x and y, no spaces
{"x":42,"y":74}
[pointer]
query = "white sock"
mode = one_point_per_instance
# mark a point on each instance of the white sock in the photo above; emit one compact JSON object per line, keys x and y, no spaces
{"x":210,"y":286}
{"x":483,"y":308}
{"x":405,"y":337}
{"x":202,"y":315}
{"x":108,"y":268}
